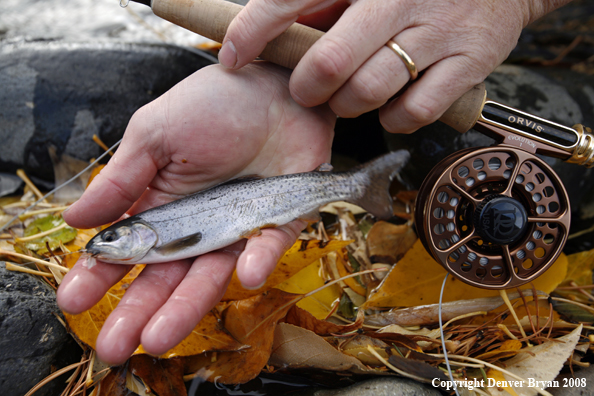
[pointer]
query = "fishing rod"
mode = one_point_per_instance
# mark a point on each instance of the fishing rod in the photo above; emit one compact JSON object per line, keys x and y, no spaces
{"x":494,"y":217}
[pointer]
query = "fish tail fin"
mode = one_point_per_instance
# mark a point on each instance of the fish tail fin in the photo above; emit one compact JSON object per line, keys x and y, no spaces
{"x":377,"y":176}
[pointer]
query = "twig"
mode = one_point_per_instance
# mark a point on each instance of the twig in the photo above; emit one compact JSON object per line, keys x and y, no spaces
{"x":41,"y":211}
{"x":41,"y":234}
{"x":99,"y":142}
{"x":503,"y":295}
{"x":17,"y":268}
{"x":21,"y":173}
{"x":35,"y":260}
{"x":587,"y":307}
{"x":494,"y":367}
{"x":53,"y":376}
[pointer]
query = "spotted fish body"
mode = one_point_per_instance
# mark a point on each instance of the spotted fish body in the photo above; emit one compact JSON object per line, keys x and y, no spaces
{"x":217,"y":217}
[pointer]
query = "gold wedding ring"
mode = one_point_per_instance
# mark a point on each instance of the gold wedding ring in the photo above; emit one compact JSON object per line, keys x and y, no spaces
{"x":408,"y":62}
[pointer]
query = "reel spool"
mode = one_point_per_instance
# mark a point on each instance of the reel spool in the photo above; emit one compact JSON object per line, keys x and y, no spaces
{"x":494,"y":217}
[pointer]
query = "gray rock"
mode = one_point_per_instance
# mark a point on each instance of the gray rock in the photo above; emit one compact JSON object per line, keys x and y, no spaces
{"x":571,"y":385}
{"x":61,"y":93}
{"x":33,"y":340}
{"x":384,"y":386}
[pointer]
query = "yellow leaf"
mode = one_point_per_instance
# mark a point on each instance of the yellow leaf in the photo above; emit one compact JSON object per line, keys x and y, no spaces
{"x":208,"y":335}
{"x":579,"y":268}
{"x":417,"y":279}
{"x":299,"y":256}
{"x":498,"y":377}
{"x":306,"y":280}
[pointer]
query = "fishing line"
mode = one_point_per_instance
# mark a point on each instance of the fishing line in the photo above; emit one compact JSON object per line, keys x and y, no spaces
{"x":73,"y":178}
{"x":443,"y":345}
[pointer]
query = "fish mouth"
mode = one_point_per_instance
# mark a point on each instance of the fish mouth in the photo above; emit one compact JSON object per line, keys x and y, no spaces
{"x":92,"y":252}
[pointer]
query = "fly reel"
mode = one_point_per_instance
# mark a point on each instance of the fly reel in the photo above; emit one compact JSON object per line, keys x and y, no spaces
{"x":498,"y":217}
{"x":495,"y":217}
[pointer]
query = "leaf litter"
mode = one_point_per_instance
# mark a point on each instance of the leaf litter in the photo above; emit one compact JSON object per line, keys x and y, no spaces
{"x":323,"y":308}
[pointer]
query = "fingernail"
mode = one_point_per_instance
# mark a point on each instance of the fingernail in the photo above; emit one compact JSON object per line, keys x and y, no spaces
{"x":251,"y":266}
{"x":228,"y":55}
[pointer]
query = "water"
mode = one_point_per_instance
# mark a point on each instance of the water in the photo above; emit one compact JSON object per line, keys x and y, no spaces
{"x":89,"y":20}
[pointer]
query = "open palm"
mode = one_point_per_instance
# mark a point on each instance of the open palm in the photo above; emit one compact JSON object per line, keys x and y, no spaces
{"x":214,"y":126}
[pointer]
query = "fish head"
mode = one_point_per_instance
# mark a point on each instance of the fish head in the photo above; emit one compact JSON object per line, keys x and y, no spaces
{"x":125,"y":242}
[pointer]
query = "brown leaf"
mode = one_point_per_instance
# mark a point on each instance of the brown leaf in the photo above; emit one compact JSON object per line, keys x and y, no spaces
{"x":387,"y":243}
{"x":295,"y":347}
{"x":163,"y":376}
{"x":300,"y":317}
{"x":252,"y":322}
{"x":114,"y":383}
{"x":417,"y":368}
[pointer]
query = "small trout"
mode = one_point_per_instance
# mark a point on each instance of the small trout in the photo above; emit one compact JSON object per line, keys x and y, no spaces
{"x":219,"y":216}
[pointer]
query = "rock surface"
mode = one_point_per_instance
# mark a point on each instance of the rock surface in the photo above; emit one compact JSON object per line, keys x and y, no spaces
{"x":33,"y":341}
{"x":384,"y":386}
{"x":60,"y":93}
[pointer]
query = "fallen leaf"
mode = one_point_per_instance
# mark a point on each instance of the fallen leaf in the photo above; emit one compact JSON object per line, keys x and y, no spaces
{"x":579,"y":268}
{"x":208,"y":335}
{"x":507,"y":349}
{"x":358,"y":347}
{"x":417,"y":368}
{"x":295,"y":348}
{"x":302,"y":318}
{"x":540,"y":363}
{"x":417,"y":279}
{"x":47,"y":223}
{"x":252,"y":322}
{"x":114,"y":383}
{"x":163,"y":376}
{"x":299,"y":256}
{"x":307,"y":280}
{"x":429,"y":314}
{"x":387,"y":242}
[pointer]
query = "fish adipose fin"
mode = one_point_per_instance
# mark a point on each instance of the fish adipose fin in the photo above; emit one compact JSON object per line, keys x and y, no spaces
{"x":180,"y":244}
{"x":377,"y":176}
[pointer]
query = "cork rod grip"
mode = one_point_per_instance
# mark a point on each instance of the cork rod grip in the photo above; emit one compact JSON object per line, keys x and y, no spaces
{"x":211,"y":18}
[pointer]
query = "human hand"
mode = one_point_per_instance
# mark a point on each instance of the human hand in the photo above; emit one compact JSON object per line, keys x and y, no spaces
{"x":456,"y":43}
{"x":213,"y":126}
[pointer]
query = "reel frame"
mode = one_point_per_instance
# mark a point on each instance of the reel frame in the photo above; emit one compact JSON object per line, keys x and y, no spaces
{"x":466,"y":180}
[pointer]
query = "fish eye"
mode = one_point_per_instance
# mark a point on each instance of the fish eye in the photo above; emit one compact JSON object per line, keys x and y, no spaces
{"x":109,"y":236}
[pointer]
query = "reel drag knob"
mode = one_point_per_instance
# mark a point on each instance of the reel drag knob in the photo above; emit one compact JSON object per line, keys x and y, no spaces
{"x":494,"y":217}
{"x":501,"y":220}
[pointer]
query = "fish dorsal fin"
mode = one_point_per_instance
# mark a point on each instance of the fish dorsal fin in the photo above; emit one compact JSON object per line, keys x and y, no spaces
{"x":325,"y":167}
{"x":180,"y":244}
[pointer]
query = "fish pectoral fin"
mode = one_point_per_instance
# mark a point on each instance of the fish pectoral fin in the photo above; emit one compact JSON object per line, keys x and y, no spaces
{"x":311,"y":217}
{"x":180,"y":244}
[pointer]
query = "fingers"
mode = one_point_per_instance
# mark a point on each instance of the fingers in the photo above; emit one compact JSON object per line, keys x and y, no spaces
{"x":203,"y":287}
{"x":343,"y":49}
{"x":120,"y":334}
{"x":82,"y":287}
{"x":429,"y":97}
{"x":263,"y":252}
{"x":258,"y":23}
{"x":122,"y":181}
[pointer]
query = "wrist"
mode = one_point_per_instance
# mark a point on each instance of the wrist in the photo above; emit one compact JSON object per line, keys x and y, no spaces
{"x":538,"y":8}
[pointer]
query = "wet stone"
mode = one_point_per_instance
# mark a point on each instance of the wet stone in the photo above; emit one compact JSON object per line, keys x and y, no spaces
{"x":61,"y":93}
{"x":33,"y":341}
{"x":385,"y":386}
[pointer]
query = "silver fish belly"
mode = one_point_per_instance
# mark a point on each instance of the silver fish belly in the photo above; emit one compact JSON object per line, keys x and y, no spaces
{"x":217,"y":217}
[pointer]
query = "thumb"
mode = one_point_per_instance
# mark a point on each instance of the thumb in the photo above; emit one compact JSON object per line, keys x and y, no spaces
{"x":118,"y":185}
